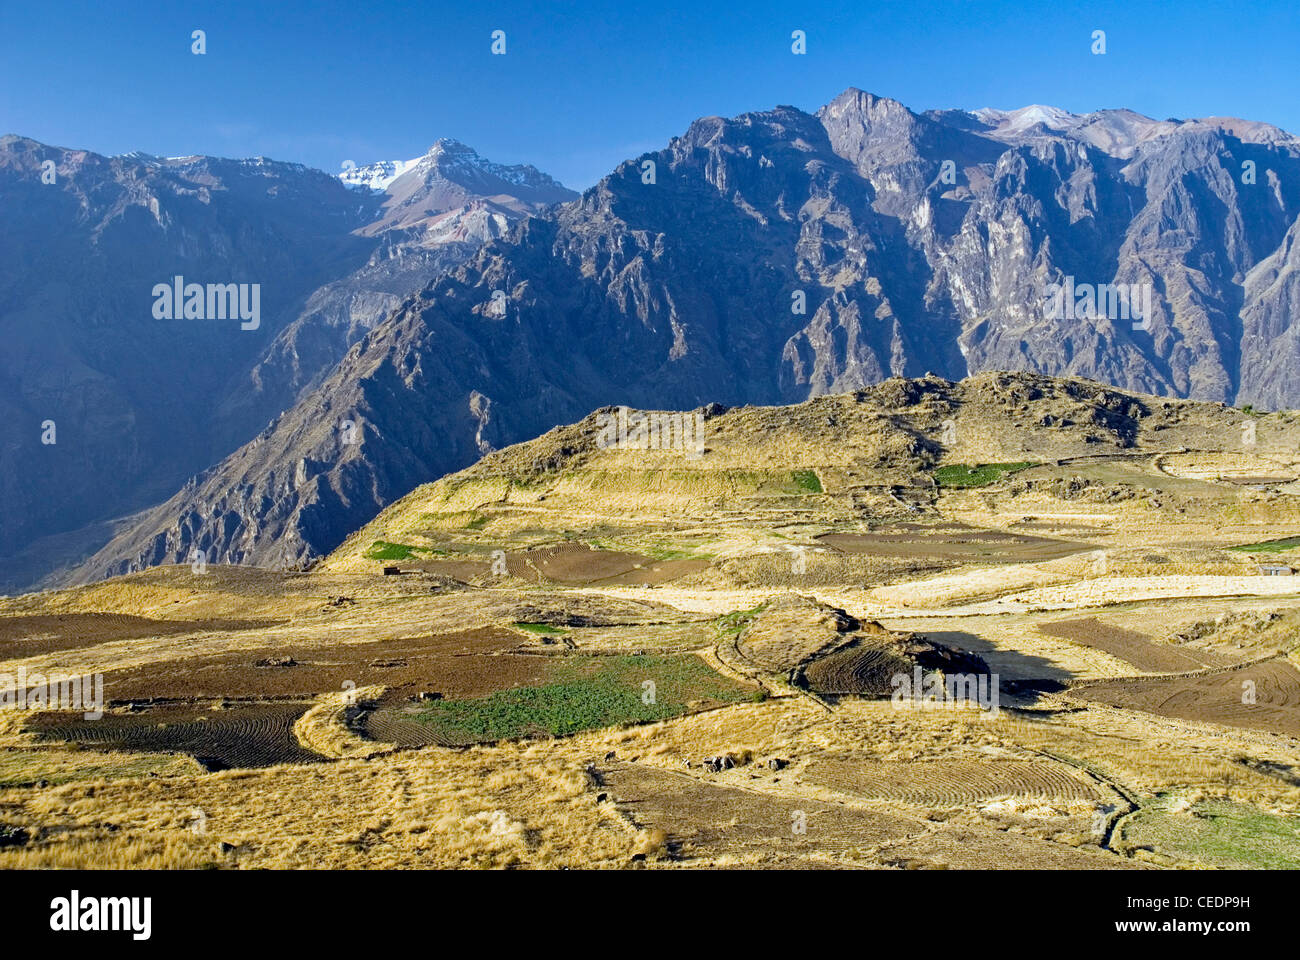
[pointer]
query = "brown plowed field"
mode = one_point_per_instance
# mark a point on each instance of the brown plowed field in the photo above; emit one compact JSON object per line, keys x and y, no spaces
{"x":960,"y":847}
{"x":469,"y":663}
{"x":864,"y":671}
{"x":245,"y":735}
{"x":708,"y":820}
{"x":30,"y":636}
{"x":464,"y":570}
{"x":394,"y":722}
{"x":953,"y":543}
{"x":1216,"y":698}
{"x":949,"y":783}
{"x":1134,"y":648}
{"x":703,"y":819}
{"x":578,"y":564}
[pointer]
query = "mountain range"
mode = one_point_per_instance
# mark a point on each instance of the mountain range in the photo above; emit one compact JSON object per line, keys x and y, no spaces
{"x":139,"y":404}
{"x":430,"y":311}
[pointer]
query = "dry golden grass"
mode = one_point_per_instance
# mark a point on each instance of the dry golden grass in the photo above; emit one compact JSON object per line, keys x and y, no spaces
{"x":324,"y":729}
{"x":1156,"y":528}
{"x":499,"y":808}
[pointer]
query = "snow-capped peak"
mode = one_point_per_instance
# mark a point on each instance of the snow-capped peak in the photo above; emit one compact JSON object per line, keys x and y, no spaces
{"x":450,"y":160}
{"x":377,"y":176}
{"x":1026,"y":117}
{"x":451,"y":157}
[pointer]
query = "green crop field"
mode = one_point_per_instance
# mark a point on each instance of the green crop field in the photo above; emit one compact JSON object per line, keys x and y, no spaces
{"x":544,"y":629}
{"x":964,"y":475}
{"x":590,"y":693}
{"x":807,"y":481}
{"x":1219,"y":834}
{"x":1284,"y":545}
{"x":384,"y":550}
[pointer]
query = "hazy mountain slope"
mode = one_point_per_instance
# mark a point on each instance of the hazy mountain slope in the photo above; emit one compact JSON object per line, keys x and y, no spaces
{"x":139,"y":403}
{"x":131,"y":396}
{"x":1270,"y":320}
{"x":434,"y":212}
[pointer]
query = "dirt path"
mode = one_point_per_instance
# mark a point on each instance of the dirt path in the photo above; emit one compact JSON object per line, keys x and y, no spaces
{"x":1066,"y":595}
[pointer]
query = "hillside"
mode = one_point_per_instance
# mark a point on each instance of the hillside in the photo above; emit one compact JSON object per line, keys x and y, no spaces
{"x":1011,"y":621}
{"x":785,"y":478}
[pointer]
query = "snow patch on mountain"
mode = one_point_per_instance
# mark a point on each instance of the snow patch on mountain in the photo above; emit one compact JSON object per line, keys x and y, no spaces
{"x":377,"y":176}
{"x":1026,"y":117}
{"x":449,"y":160}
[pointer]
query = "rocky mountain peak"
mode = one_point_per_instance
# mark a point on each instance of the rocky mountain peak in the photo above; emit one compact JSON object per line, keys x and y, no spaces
{"x":863,"y":106}
{"x":775,"y":256}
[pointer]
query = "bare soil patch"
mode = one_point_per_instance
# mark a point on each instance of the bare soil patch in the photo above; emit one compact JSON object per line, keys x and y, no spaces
{"x":1131,"y":647}
{"x":463,"y":664}
{"x":245,"y":735}
{"x":33,"y":635}
{"x":579,"y":564}
{"x":1214,"y":698}
{"x":463,"y":570}
{"x":954,"y":542}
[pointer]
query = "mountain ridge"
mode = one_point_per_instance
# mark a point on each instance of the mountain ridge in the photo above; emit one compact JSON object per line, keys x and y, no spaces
{"x":89,"y":236}
{"x":919,"y":241}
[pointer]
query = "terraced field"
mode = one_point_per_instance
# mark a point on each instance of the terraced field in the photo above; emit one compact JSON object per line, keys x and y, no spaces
{"x":726,"y":825}
{"x":241,"y":735}
{"x":580,"y":565}
{"x":860,"y":671}
{"x":399,"y":723}
{"x":689,"y":663}
{"x":1131,"y":647}
{"x":951,"y":783}
{"x":1264,"y":696}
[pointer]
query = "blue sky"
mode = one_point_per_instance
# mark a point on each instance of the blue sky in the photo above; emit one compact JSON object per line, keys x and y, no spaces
{"x":584,"y":85}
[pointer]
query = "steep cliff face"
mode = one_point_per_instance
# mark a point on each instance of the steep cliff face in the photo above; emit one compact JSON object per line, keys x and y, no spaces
{"x":138,"y":403}
{"x":85,"y":240}
{"x":1270,"y":327}
{"x":777,"y":256}
{"x":432,"y":213}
